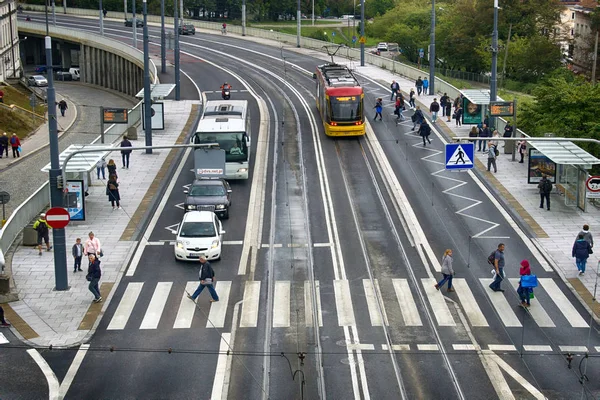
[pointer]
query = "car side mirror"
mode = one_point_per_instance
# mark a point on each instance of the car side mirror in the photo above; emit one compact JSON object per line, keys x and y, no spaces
{"x":186,"y":191}
{"x":229,"y":190}
{"x":314,"y":76}
{"x":222,"y":232}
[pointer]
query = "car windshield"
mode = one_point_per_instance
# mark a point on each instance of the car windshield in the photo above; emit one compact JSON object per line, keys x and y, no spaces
{"x":234,"y":144}
{"x":345,"y":108}
{"x":207,"y":190}
{"x":198,"y":229}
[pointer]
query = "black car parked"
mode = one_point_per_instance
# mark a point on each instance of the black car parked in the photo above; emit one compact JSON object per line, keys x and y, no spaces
{"x":138,"y":22}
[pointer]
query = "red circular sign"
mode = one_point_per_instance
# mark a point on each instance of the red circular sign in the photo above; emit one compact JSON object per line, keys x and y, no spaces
{"x":593,"y":184}
{"x":57,"y":217}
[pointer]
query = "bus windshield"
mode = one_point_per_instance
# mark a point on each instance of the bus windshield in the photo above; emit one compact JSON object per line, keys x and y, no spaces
{"x":234,"y":144}
{"x":345,"y":108}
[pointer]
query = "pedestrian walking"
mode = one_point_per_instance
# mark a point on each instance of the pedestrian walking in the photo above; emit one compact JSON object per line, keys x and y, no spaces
{"x":587,"y":235}
{"x":443,"y":101}
{"x":411,"y":98}
{"x":62,"y":106}
{"x":207,"y":279}
{"x":458,"y":101}
{"x":434,"y":108}
{"x":15,"y":143}
{"x":417,"y":117}
{"x":93,"y":276}
{"x":125,"y":143}
{"x":425,"y":131}
{"x":545,"y":188}
{"x":1,"y":96}
{"x":419,"y":85}
{"x":112,"y":191}
{"x":398,"y":108}
{"x":3,"y":322}
{"x":458,"y":112}
{"x":92,"y":246}
{"x":447,"y":271}
{"x":524,"y":292}
{"x":395,"y":86}
{"x":426,"y":86}
{"x":378,"y":108}
{"x":581,"y":251}
{"x":100,"y":167}
{"x":508,"y":130}
{"x":473,"y":133}
{"x":494,"y":141}
{"x":104,"y":12}
{"x":77,"y":252}
{"x":43,"y":233}
{"x":522,"y":147}
{"x":492,"y":157}
{"x":483,"y":134}
{"x":498,"y":262}
{"x":4,"y":145}
{"x":112,"y":168}
{"x":448,"y":109}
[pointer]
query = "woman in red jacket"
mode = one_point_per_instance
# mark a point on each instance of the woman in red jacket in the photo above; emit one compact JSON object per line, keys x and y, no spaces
{"x":15,"y":143}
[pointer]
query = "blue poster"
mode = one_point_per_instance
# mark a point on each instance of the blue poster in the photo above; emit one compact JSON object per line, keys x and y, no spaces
{"x":75,"y":200}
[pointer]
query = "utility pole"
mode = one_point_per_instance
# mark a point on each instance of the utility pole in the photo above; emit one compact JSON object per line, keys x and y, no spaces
{"x":64,"y":6}
{"x":163,"y":39}
{"x":298,"y":25}
{"x":243,"y":17}
{"x":313,"y":12}
{"x":595,"y":60}
{"x":53,"y":13}
{"x":101,"y":19}
{"x":12,"y":41}
{"x":125,"y":9}
{"x":61,"y":279}
{"x":176,"y":55}
{"x":362,"y":32}
{"x":180,"y":10}
{"x":134,"y":23}
{"x":506,"y":56}
{"x":432,"y":51}
{"x":494,"y":79}
{"x":147,"y":91}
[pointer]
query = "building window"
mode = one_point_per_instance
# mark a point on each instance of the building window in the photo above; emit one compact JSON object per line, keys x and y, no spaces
{"x":572,"y":15}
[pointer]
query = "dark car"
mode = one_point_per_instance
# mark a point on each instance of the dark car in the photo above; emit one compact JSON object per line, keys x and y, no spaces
{"x":64,"y":75}
{"x":138,"y":22}
{"x":209,"y":195}
{"x":187,"y":29}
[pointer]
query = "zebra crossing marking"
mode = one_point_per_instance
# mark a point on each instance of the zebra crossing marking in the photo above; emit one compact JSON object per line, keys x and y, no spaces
{"x":536,"y":310}
{"x":438,"y":303}
{"x":463,"y":347}
{"x":187,"y":307}
{"x":396,"y":347}
{"x":218,"y":310}
{"x":573,"y":349}
{"x":503,"y":308}
{"x":372,"y":293}
{"x":249,"y":317}
{"x":469,"y":304}
{"x":281,"y":304}
{"x":308,"y":304}
{"x":534,"y":347}
{"x":343,"y":302}
{"x":125,"y":307}
{"x":408,"y":307}
{"x":502,"y":347}
{"x":428,"y":347}
{"x":157,"y":305}
{"x":563,"y":304}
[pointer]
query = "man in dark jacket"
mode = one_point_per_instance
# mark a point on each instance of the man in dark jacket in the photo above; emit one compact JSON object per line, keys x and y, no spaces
{"x":581,"y":252}
{"x":508,"y":130}
{"x":443,"y":100}
{"x":485,"y":133}
{"x":545,"y":188}
{"x":434,"y":108}
{"x":207,"y":278}
{"x":419,"y":85}
{"x":93,"y":276}
{"x":395,"y":86}
{"x":125,"y":143}
{"x":3,"y":144}
{"x":425,"y":131}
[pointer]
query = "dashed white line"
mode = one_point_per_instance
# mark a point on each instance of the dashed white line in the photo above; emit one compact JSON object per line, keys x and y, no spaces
{"x":428,"y":347}
{"x":533,"y":347}
{"x":573,"y":349}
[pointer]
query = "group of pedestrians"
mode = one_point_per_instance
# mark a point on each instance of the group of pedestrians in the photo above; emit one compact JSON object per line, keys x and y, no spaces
{"x":13,"y":142}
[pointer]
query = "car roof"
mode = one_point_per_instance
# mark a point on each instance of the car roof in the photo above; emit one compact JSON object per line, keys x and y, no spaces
{"x":208,"y":182}
{"x":199,"y":216}
{"x":38,"y":76}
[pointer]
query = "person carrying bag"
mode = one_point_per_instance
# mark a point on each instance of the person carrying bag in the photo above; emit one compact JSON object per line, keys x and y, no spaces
{"x":526,"y":284}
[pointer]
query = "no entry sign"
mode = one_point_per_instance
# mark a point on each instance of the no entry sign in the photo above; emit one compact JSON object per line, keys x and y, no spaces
{"x":57,"y":217}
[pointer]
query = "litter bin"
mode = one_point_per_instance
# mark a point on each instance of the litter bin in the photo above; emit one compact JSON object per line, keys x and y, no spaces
{"x":29,"y":236}
{"x":132,"y":133}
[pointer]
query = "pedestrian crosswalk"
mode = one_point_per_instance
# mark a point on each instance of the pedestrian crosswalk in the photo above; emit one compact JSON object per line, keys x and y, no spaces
{"x":386,"y":301}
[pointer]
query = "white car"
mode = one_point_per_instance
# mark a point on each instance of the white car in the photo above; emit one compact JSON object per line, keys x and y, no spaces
{"x":200,"y":233}
{"x":382,"y":46}
{"x":37,"y":80}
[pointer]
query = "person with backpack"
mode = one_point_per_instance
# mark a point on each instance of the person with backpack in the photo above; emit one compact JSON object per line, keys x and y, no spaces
{"x":545,"y":188}
{"x":378,"y":109}
{"x":524,"y":292}
{"x":93,"y":276}
{"x":443,"y":100}
{"x":492,"y":154}
{"x":15,"y":143}
{"x":417,"y":118}
{"x":587,"y":235}
{"x":581,"y":251}
{"x":112,"y":191}
{"x":497,"y":260}
{"x":43,"y":230}
{"x":425,"y":131}
{"x":447,"y":271}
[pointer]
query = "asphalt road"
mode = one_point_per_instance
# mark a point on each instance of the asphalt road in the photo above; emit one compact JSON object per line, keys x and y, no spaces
{"x":331,"y":270}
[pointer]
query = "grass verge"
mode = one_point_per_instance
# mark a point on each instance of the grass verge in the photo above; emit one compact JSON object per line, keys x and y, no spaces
{"x":14,"y":121}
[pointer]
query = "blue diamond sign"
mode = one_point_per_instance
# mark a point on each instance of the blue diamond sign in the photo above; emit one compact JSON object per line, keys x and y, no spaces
{"x":460,"y":155}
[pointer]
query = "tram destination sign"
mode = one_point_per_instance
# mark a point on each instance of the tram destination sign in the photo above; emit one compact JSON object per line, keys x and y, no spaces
{"x":502,"y":108}
{"x":115,"y":115}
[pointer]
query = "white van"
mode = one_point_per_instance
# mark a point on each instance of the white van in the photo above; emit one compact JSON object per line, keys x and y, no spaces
{"x":74,"y":73}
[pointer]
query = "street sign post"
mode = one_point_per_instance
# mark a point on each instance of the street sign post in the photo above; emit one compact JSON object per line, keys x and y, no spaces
{"x":459,"y":156}
{"x":593,"y":187}
{"x":57,"y":217}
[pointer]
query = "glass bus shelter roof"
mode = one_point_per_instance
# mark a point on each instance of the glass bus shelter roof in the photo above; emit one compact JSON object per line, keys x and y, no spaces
{"x":565,"y":153}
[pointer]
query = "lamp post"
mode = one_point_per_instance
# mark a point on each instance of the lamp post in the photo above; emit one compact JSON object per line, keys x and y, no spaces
{"x":61,"y":279}
{"x":298,"y":24}
{"x":176,"y":55}
{"x":432,"y":51}
{"x":243,"y":17}
{"x":134,"y":23}
{"x":125,"y":9}
{"x":494,"y":78}
{"x":101,"y":19}
{"x":147,"y":91}
{"x":163,"y":38}
{"x":313,"y":12}
{"x":53,"y":13}
{"x":362,"y":32}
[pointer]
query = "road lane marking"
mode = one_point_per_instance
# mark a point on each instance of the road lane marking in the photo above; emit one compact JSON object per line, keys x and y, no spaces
{"x":218,"y":310}
{"x":597,"y":349}
{"x":308,"y":304}
{"x":249,"y":316}
{"x":371,"y":298}
{"x":515,"y":375}
{"x":563,"y":304}
{"x":187,"y":307}
{"x":573,"y":349}
{"x":408,"y":307}
{"x":360,"y":346}
{"x":428,"y":347}
{"x":468,"y":302}
{"x":536,"y":310}
{"x":343,"y":302}
{"x":156,"y":306}
{"x":125,"y":307}
{"x":3,"y":339}
{"x":217,"y":389}
{"x":322,"y":244}
{"x":68,"y":379}
{"x":232,"y":242}
{"x":503,"y":308}
{"x":536,"y":347}
{"x":396,"y":347}
{"x":502,"y":347}
{"x":281,"y":304}
{"x":438,"y":303}
{"x":53,"y":385}
{"x":463,"y":347}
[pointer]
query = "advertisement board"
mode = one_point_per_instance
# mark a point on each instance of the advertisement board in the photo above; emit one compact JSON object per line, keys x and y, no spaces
{"x":471,"y":112}
{"x":115,"y":115}
{"x":75,"y":200}
{"x":540,"y":165}
{"x":158,"y":116}
{"x":502,"y":108}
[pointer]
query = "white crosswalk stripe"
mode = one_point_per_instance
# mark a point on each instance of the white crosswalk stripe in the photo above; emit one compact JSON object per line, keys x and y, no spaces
{"x":468,"y":302}
{"x":536,"y":310}
{"x":372,"y":293}
{"x":563,"y":304}
{"x":343,"y":302}
{"x":308,"y":304}
{"x":438,"y":303}
{"x":218,"y":310}
{"x":408,"y":307}
{"x":125,"y":307}
{"x":281,"y":304}
{"x":249,"y":317}
{"x":504,"y":309}
{"x":187,"y":307}
{"x":157,"y":305}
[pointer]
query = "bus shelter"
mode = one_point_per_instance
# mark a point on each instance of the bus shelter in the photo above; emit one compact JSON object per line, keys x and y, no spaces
{"x":566,"y":165}
{"x":78,"y":173}
{"x":475,"y":104}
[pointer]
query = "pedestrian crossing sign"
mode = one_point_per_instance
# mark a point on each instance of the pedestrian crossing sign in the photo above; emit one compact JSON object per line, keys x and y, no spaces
{"x":460,"y":155}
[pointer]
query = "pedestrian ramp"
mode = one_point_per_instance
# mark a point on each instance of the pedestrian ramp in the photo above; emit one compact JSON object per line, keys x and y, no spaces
{"x":390,"y":302}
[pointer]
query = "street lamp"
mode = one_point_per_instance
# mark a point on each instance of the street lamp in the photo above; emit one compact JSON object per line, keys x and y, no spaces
{"x":147,"y":90}
{"x":432,"y":51}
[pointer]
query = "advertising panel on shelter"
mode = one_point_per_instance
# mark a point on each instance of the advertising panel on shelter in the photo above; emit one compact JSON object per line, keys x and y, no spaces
{"x":75,"y":202}
{"x":540,"y":165}
{"x":471,"y":112}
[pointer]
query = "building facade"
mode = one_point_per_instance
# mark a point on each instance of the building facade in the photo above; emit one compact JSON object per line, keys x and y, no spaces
{"x":10,"y":61}
{"x":581,"y":31}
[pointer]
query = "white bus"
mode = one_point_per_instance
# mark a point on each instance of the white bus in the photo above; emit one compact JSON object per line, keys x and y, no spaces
{"x":227,"y":122}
